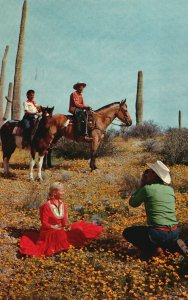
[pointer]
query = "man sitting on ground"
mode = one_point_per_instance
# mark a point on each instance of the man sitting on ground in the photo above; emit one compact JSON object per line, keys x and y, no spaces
{"x":159,"y":200}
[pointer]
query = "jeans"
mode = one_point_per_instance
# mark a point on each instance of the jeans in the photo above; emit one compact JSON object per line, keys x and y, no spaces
{"x":28,"y":122}
{"x":163,"y":239}
{"x":148,"y":238}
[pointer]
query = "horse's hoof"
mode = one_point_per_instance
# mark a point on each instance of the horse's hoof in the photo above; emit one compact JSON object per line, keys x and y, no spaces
{"x":95,"y":169}
{"x":40,"y":179}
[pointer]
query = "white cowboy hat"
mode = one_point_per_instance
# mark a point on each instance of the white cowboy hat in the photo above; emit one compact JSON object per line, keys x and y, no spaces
{"x":161,"y":170}
{"x":79,"y":83}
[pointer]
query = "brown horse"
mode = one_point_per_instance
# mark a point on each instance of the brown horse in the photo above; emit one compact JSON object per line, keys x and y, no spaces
{"x":61,"y":125}
{"x":10,"y":140}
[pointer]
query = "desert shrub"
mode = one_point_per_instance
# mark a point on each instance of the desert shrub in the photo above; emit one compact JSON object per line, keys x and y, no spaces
{"x":175,"y":150}
{"x":34,"y":197}
{"x":72,"y":150}
{"x":129,"y":185}
{"x":146,"y":130}
{"x":152,"y":145}
{"x":149,"y":145}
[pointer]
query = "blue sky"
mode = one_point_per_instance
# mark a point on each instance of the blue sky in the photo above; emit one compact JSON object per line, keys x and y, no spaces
{"x":104,"y":43}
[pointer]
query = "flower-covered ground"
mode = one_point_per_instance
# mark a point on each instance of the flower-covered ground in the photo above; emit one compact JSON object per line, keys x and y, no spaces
{"x":108,"y":268}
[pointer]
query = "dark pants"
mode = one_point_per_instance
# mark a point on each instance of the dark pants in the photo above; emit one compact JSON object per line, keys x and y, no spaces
{"x":27,"y":123}
{"x":80,"y":121}
{"x":148,"y":239}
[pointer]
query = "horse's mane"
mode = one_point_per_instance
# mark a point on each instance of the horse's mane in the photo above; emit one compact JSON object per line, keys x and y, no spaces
{"x":106,"y":106}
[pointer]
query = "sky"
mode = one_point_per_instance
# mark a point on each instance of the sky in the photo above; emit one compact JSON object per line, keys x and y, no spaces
{"x":103,"y":43}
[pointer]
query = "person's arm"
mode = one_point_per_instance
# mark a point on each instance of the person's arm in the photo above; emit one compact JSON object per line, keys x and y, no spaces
{"x":76,"y":101}
{"x":29,"y":111}
{"x":138,"y":197}
{"x":44,"y":217}
{"x":26,"y":109}
{"x":67,"y":226}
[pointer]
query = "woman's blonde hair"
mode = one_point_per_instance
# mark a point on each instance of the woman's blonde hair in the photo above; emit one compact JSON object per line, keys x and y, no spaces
{"x":55,"y":186}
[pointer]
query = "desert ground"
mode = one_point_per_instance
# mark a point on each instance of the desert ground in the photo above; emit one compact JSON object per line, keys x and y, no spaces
{"x":108,"y":268}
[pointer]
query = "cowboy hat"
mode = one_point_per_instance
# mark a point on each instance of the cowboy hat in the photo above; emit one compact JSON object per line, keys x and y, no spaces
{"x":75,"y":86}
{"x":161,"y":170}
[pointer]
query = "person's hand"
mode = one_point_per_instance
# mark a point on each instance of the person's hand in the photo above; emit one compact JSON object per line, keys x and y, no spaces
{"x":57,"y":226}
{"x":145,"y":177}
{"x":67,"y":227}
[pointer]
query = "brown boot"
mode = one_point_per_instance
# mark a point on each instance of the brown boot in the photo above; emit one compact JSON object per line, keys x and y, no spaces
{"x":183,"y":247}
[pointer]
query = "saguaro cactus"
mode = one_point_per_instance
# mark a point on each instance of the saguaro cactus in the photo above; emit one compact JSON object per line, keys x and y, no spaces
{"x":139,"y":99}
{"x":16,"y":101}
{"x":179,"y":119}
{"x":9,"y":102}
{"x":2,"y":81}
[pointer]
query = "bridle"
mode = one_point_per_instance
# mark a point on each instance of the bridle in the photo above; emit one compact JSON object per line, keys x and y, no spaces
{"x":124,"y":114}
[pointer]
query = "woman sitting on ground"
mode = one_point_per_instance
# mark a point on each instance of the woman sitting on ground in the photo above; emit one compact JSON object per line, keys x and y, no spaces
{"x":56,"y":234}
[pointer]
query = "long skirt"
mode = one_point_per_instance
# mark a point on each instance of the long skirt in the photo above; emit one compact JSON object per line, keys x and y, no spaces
{"x":48,"y":242}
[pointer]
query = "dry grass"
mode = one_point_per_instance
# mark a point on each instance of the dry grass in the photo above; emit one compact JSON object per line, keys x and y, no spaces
{"x":106,"y":269}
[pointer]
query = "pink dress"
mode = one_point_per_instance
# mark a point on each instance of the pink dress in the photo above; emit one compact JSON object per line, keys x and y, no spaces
{"x":51,"y":240}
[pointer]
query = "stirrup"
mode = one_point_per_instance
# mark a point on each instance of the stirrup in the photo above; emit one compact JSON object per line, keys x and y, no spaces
{"x":88,"y":138}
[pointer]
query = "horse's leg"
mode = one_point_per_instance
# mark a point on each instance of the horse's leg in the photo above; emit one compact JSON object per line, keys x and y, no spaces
{"x":41,"y":158}
{"x":45,"y":165}
{"x":49,"y":158}
{"x":94,"y":146}
{"x":6,"y":157}
{"x":47,"y":162}
{"x":6,"y":165}
{"x":92,"y":161}
{"x":32,"y":164}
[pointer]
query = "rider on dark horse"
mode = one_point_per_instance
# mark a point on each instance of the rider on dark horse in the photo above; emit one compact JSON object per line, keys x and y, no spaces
{"x":32,"y":112}
{"x":79,"y":109}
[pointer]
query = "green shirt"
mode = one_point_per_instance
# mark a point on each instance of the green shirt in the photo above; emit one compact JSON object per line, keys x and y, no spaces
{"x":159,"y":201}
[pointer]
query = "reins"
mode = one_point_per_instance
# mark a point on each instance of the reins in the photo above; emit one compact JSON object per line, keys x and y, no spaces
{"x":120,"y":125}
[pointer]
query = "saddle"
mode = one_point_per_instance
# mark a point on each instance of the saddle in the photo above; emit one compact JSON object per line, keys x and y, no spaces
{"x":84,"y":122}
{"x":90,"y":121}
{"x":19,"y":131}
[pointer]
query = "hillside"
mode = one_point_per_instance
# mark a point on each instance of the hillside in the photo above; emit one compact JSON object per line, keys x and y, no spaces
{"x":106,"y":269}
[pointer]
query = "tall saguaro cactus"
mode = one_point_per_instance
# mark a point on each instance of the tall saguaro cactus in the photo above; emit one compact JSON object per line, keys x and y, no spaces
{"x":16,"y":101}
{"x":2,"y":81}
{"x":139,"y":99}
{"x":179,"y":119}
{"x":9,"y":102}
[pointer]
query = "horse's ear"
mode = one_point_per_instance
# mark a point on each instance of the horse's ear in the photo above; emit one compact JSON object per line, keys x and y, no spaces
{"x":52,"y":108}
{"x":123,"y":102}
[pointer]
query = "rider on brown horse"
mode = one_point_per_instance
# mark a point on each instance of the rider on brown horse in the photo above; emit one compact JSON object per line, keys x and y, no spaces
{"x":79,"y":110}
{"x":32,"y":111}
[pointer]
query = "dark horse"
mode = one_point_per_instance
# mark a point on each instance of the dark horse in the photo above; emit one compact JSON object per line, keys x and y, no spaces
{"x":10,"y":141}
{"x":52,"y":128}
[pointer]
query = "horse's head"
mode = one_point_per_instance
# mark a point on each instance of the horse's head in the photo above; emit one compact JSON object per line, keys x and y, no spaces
{"x":47,"y":111}
{"x":123,"y":114}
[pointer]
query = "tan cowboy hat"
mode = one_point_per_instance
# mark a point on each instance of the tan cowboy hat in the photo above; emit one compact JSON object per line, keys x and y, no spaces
{"x":161,"y":170}
{"x":79,"y":83}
